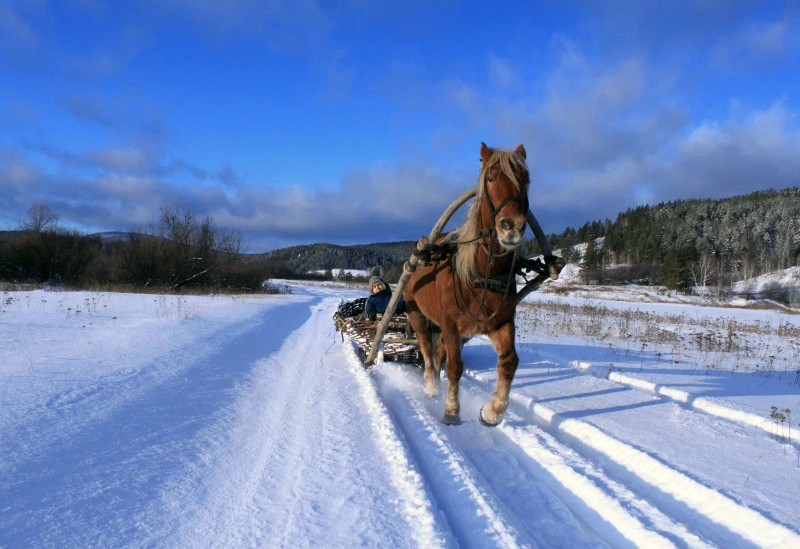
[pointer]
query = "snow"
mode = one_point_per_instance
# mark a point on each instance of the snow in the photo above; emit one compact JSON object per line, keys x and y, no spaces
{"x":191,"y":421}
{"x":341,"y":272}
{"x":789,"y":278}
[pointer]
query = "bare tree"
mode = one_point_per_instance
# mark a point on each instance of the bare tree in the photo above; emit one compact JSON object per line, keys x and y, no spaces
{"x":704,"y":269}
{"x":231,"y":244}
{"x":40,"y":218}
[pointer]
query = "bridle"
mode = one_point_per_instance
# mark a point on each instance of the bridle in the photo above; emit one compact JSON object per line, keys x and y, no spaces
{"x":491,"y":283}
{"x":521,"y":200}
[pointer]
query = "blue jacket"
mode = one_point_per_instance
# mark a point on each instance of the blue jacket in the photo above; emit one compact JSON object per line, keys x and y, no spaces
{"x":377,"y":303}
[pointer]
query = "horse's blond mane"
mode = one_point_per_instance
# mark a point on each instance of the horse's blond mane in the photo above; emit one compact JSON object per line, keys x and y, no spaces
{"x":510,"y":163}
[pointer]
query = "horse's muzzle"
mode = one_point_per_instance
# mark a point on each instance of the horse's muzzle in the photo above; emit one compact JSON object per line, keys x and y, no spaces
{"x":510,"y":232}
{"x":510,"y":241}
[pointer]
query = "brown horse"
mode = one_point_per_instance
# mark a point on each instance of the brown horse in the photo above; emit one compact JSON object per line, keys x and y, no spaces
{"x":474,"y":292}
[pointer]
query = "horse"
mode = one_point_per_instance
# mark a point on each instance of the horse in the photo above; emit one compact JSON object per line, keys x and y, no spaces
{"x":473,"y":292}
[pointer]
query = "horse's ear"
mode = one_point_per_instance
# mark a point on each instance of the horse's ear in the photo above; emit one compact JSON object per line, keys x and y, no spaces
{"x":486,"y":152}
{"x":521,"y":151}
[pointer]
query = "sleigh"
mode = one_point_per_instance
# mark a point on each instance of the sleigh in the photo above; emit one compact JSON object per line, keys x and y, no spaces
{"x":399,"y":341}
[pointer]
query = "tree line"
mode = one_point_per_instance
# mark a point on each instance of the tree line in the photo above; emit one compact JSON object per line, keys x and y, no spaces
{"x":690,"y":243}
{"x":681,"y":244}
{"x":178,"y":251}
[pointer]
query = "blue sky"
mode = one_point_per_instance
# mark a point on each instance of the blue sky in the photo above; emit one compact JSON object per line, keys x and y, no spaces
{"x":356,"y":121}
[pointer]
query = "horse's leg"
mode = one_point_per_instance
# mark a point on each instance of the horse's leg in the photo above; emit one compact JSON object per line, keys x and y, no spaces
{"x":507,"y":360}
{"x":439,"y":353}
{"x":420,"y":324}
{"x":455,"y":367}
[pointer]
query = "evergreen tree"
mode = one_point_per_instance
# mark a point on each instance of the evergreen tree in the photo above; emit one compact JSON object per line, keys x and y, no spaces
{"x":676,"y":271}
{"x":591,"y":268}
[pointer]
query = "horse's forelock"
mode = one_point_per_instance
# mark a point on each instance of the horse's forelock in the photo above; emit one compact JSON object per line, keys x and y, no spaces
{"x":511,"y":164}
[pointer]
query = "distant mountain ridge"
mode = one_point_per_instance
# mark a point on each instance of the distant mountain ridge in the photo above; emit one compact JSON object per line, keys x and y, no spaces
{"x":313,"y":257}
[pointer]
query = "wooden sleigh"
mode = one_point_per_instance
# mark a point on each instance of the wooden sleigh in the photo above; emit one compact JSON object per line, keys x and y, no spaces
{"x":399,"y":341}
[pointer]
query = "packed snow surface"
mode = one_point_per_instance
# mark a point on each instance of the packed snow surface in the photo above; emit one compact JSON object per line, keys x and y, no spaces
{"x":140,"y":421}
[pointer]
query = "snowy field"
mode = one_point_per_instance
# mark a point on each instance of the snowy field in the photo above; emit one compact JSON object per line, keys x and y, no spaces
{"x":141,"y":420}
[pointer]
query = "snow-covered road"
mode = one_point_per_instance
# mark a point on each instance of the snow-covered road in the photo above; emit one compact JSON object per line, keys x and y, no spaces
{"x":188,"y":422}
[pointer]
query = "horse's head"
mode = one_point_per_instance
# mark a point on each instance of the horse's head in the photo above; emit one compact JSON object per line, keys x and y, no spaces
{"x":504,"y":184}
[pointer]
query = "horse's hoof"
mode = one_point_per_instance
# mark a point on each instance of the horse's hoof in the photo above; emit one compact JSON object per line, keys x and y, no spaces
{"x":431,"y":391}
{"x":451,"y":419}
{"x":486,"y":423}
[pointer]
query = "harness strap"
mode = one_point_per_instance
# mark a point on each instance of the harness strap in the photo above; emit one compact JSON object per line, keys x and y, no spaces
{"x":447,"y":248}
{"x":523,"y":204}
{"x":495,"y":284}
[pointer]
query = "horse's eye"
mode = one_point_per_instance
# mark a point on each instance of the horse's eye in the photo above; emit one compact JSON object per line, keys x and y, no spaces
{"x":489,"y":179}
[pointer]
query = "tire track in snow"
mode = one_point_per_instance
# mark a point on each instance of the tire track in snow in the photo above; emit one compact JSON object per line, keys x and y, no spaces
{"x":405,"y":473}
{"x":471,"y":509}
{"x":606,"y":508}
{"x":296,"y":463}
{"x":701,"y":503}
{"x":610,"y":509}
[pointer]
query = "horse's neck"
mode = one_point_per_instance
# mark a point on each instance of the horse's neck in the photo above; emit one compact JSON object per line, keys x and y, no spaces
{"x":501,"y":260}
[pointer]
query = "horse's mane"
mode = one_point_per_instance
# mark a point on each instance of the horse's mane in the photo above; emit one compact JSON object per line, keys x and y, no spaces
{"x":510,"y":163}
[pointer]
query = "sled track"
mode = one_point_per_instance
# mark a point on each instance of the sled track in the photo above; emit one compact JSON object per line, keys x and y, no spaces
{"x":715,"y":518}
{"x":615,"y":494}
{"x":566,"y":496}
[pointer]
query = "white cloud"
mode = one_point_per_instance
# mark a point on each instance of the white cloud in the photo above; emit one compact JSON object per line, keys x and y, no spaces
{"x":724,"y":158}
{"x":129,"y":159}
{"x":383,"y":203}
{"x":757,"y":44}
{"x":604,"y":135}
{"x":772,"y":38}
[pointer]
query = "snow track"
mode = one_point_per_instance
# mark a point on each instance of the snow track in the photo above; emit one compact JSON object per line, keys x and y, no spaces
{"x":471,"y":509}
{"x":287,"y":465}
{"x":705,"y":505}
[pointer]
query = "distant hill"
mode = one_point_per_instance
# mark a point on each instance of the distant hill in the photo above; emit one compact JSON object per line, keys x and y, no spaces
{"x":313,"y":257}
{"x":107,"y":237}
{"x":112,"y":236}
